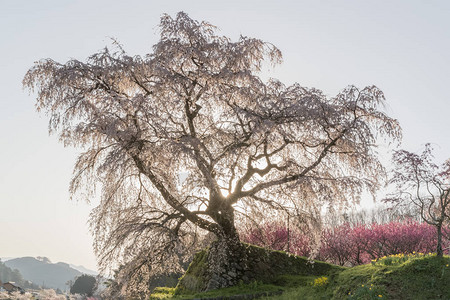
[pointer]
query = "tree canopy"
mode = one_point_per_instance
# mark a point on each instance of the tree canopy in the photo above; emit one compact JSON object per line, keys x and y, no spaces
{"x":423,"y":183}
{"x":84,"y":285}
{"x":189,"y":138}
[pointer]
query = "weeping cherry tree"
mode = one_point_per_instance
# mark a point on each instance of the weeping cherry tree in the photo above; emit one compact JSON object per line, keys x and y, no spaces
{"x":189,"y":139}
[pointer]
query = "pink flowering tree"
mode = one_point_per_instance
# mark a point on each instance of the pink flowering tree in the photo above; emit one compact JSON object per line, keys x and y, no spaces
{"x":399,"y":237}
{"x":276,"y":236}
{"x":337,"y":245}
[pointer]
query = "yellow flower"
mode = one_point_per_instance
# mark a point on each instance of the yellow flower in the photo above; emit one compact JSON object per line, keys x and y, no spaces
{"x":321,"y":281}
{"x":380,"y":296}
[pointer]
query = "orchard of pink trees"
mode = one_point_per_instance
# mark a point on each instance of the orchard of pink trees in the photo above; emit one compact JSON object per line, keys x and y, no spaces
{"x":349,"y":244}
{"x":277,"y":236}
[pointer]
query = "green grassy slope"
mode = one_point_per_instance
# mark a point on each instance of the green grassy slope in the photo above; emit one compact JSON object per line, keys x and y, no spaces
{"x":400,"y":277}
{"x":414,"y":276}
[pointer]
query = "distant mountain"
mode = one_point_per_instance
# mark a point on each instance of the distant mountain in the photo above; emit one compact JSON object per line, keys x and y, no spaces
{"x":43,"y":272}
{"x":84,"y":270}
{"x":8,"y":274}
{"x":80,"y":268}
{"x":3,"y":259}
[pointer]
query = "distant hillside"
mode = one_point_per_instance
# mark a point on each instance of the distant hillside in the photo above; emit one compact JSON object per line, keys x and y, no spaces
{"x":43,"y":272}
{"x":8,"y":274}
{"x":84,"y":270}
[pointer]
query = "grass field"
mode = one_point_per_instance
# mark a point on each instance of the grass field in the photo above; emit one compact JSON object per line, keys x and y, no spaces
{"x":415,"y":276}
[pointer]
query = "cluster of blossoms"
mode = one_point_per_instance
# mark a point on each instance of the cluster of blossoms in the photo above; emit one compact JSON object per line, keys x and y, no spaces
{"x":350,"y":244}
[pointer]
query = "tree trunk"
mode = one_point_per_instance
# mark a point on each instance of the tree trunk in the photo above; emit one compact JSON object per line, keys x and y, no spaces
{"x":439,"y":251}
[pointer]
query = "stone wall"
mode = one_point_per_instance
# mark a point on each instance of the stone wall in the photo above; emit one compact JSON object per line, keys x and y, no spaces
{"x":259,"y":264}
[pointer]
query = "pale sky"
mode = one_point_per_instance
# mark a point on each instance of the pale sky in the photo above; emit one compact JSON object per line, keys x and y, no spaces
{"x":403,"y":47}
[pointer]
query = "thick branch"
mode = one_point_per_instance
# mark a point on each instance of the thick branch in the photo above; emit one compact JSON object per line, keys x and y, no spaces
{"x":291,"y":178}
{"x":171,"y":200}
